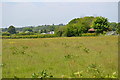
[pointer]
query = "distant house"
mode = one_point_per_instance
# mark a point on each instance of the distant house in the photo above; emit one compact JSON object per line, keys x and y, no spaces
{"x":92,"y":30}
{"x":51,"y":32}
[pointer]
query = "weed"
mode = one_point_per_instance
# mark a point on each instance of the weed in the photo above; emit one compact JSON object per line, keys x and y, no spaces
{"x":14,"y":50}
{"x":95,"y":71}
{"x":114,"y":75}
{"x":42,"y":74}
{"x":65,"y":45}
{"x":45,"y":44}
{"x":86,"y":50}
{"x":78,"y":74}
{"x":34,"y":75}
{"x":68,"y":56}
{"x":79,"y":46}
{"x":2,"y":65}
{"x":22,"y":52}
{"x":25,"y":47}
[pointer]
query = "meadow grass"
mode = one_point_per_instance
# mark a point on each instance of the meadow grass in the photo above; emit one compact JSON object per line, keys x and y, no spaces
{"x":84,"y":57}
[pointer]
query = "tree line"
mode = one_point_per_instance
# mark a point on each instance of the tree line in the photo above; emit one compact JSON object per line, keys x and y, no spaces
{"x":76,"y":27}
{"x":30,"y":30}
{"x":79,"y":26}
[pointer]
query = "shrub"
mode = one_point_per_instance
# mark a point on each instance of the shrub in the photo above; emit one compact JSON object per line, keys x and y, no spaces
{"x":5,"y":34}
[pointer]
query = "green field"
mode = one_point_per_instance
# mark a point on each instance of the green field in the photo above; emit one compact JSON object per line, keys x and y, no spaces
{"x":84,"y":57}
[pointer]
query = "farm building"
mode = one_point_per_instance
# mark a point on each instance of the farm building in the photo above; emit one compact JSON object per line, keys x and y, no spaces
{"x":92,"y":30}
{"x":43,"y":33}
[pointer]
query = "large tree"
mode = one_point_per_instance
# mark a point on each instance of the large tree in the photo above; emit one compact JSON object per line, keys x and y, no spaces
{"x":11,"y":29}
{"x":78,"y":26}
{"x":100,"y":24}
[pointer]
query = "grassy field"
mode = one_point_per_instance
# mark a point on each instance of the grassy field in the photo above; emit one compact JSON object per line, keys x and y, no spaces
{"x":84,"y":57}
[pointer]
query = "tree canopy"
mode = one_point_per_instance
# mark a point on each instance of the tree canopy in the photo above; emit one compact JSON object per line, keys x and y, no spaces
{"x":11,"y":29}
{"x":27,"y":29}
{"x":78,"y":26}
{"x":100,"y":24}
{"x":75,"y":27}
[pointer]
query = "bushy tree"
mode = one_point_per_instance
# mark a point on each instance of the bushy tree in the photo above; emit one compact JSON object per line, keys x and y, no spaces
{"x":78,"y":26}
{"x":59,"y":31}
{"x":100,"y":24}
{"x":74,"y":30}
{"x":11,"y":30}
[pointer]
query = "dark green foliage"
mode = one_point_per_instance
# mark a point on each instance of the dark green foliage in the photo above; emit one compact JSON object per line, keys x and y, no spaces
{"x":27,"y":29}
{"x":41,"y":31}
{"x":45,"y":28}
{"x":113,"y":26}
{"x":76,"y":27}
{"x":44,"y":31}
{"x":100,"y":24}
{"x":4,"y":29}
{"x":11,"y":30}
{"x":74,"y":30}
{"x":86,"y":50}
{"x":59,"y":31}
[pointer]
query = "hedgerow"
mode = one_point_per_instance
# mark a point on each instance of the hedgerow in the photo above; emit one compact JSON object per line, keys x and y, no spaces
{"x":29,"y":36}
{"x":89,"y":34}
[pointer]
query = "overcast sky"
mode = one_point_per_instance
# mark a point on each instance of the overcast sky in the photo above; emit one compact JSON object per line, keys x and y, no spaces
{"x":39,"y":13}
{"x":59,"y":0}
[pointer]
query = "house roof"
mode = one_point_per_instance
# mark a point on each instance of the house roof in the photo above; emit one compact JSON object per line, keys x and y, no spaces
{"x":91,"y":29}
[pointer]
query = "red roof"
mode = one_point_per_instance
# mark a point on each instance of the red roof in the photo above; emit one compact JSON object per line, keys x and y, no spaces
{"x":91,"y":29}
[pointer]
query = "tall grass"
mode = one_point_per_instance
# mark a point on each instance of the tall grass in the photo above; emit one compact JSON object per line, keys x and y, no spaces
{"x":83,"y":57}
